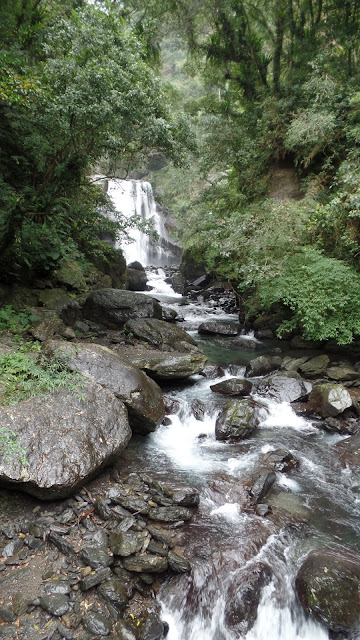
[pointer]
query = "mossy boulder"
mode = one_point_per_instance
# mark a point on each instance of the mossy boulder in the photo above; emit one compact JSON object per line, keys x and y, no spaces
{"x":71,"y":274}
{"x":112,"y":308}
{"x":237,"y":420}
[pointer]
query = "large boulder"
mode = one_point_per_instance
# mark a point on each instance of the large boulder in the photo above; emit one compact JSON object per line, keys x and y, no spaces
{"x":232,"y":387}
{"x":68,"y":437}
{"x":342,"y":373}
{"x":237,"y":420}
{"x":315,"y":366}
{"x":329,"y":399}
{"x":136,"y":277}
{"x":161,"y":334}
{"x":114,"y":307}
{"x":283,"y":386}
{"x":262,"y":365}
{"x":141,"y":395}
{"x":219,"y":328}
{"x":165,"y":365}
{"x":328,"y":587}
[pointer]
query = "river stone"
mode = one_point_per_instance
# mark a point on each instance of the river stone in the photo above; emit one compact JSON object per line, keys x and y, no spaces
{"x":116,"y":592}
{"x":293,"y":364}
{"x":96,"y":557}
{"x":243,"y":596}
{"x":315,"y":366}
{"x":60,"y":586}
{"x":284,"y":386}
{"x":170,"y":514}
{"x":136,"y":279}
{"x":153,"y":627}
{"x":198,"y":409}
{"x":12,"y":547}
{"x":237,"y":420}
{"x":342,"y":373}
{"x":160,"y":334}
{"x":97,"y":624}
{"x":95,"y":578}
{"x":112,"y":308}
{"x":186,"y":497}
{"x":125,"y":544}
{"x":233,"y":387}
{"x":280,"y":460}
{"x":166,"y":365}
{"x":56,"y":604}
{"x":141,"y":395}
{"x":349,"y":452}
{"x":146,"y":563}
{"x":68,"y":438}
{"x":170,"y":315}
{"x":178,"y":563}
{"x":219,"y":328}
{"x":100,"y":538}
{"x":329,"y":399}
{"x":262,"y":365}
{"x":212,"y":371}
{"x":328,"y":587}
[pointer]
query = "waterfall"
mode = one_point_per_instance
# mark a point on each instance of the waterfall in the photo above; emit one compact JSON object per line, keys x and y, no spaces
{"x":136,"y":198}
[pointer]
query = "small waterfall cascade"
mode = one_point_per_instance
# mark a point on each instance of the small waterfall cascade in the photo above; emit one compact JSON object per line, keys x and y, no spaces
{"x":135,"y":198}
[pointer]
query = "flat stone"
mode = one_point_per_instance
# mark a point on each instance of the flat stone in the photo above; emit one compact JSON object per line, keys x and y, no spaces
{"x":96,"y":557}
{"x":170,"y":514}
{"x":94,"y":578}
{"x":12,"y":547}
{"x":63,"y":545}
{"x":115,"y":592}
{"x":58,"y":586}
{"x":178,"y":563}
{"x":125,"y":544}
{"x":315,"y":366}
{"x":97,"y":624}
{"x":233,"y":387}
{"x":219,"y":328}
{"x":146,"y":563}
{"x":56,"y":604}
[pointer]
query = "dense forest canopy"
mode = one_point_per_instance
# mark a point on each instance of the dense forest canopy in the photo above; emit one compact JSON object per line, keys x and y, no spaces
{"x":270,"y":91}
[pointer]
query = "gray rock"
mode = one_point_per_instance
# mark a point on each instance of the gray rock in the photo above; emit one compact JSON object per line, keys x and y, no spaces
{"x":280,"y":460}
{"x":132,"y":503}
{"x":178,"y":563}
{"x":63,"y":545}
{"x":262,"y":486}
{"x":170,"y":514}
{"x":100,"y":538}
{"x":93,"y":579}
{"x":6,"y":614}
{"x":68,"y":439}
{"x":124,"y":631}
{"x":284,"y":386}
{"x":141,"y":395}
{"x":125,"y":544}
{"x":329,"y":399}
{"x":96,"y":557}
{"x":47,"y":326}
{"x":147,"y":563}
{"x":56,"y":604}
{"x":186,"y":497}
{"x":262,"y":365}
{"x":160,"y":334}
{"x":328,"y":587}
{"x":136,"y":279}
{"x":166,"y":365}
{"x":198,"y":409}
{"x":114,"y":307}
{"x":233,"y":387}
{"x":315,"y":366}
{"x":58,"y":300}
{"x":293,"y":364}
{"x":342,"y":373}
{"x":153,"y":628}
{"x":170,"y":315}
{"x":116,"y":592}
{"x":97,"y":624}
{"x":212,"y":371}
{"x":12,"y":547}
{"x":237,"y":420}
{"x":243,"y":596}
{"x":219,"y":328}
{"x":60,"y":586}
{"x":158,"y":548}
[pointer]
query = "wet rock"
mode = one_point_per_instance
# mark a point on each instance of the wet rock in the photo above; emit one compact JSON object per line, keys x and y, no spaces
{"x":162,"y":536}
{"x":96,"y":557}
{"x":349,"y":452}
{"x":161,"y":335}
{"x":329,"y":399}
{"x":262,"y":510}
{"x":172,"y":405}
{"x":212,"y":371}
{"x":153,"y":628}
{"x":132,"y":503}
{"x":97,"y":624}
{"x":116,"y":592}
{"x":63,"y":545}
{"x":198,"y":409}
{"x":293,"y":364}
{"x":124,"y":631}
{"x":262,"y":486}
{"x":333,"y":425}
{"x":114,"y":307}
{"x":67,"y":438}
{"x":280,"y":460}
{"x":100,"y":538}
{"x":170,"y":315}
{"x":178,"y":563}
{"x":237,"y":420}
{"x":136,"y":277}
{"x":262,"y":365}
{"x":170,"y":514}
{"x":94,"y":578}
{"x":327,"y":586}
{"x":284,"y":386}
{"x":60,"y":586}
{"x":186,"y":497}
{"x":233,"y":387}
{"x":58,"y":300}
{"x":56,"y":604}
{"x":243,"y":596}
{"x":125,"y":544}
{"x":315,"y":367}
{"x":6,"y":614}
{"x":342,"y":373}
{"x":167,"y":365}
{"x":140,"y":394}
{"x":146,"y":563}
{"x":12,"y":547}
{"x":219,"y":328}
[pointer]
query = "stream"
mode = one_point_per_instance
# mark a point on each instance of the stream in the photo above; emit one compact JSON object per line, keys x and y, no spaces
{"x":244,"y":565}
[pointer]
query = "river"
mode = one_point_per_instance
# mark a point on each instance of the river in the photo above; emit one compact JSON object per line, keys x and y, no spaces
{"x":244,"y":565}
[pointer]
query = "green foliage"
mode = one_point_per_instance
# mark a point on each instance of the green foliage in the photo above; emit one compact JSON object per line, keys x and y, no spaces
{"x":10,"y":448}
{"x":27,"y":372}
{"x":16,"y":321}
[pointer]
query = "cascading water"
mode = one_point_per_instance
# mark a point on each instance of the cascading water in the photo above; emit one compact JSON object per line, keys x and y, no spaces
{"x":243,"y":565}
{"x":136,"y":198}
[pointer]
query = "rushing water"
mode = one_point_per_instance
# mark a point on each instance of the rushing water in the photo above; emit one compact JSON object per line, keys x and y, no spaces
{"x":229,"y":545}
